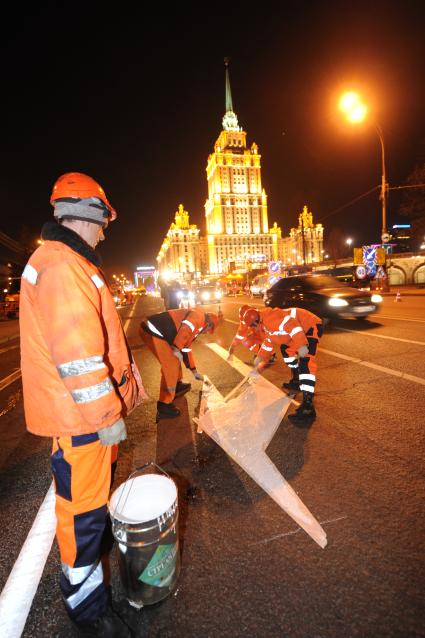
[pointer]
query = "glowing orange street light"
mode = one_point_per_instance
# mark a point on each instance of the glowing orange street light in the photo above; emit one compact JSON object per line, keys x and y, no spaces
{"x":355,"y":112}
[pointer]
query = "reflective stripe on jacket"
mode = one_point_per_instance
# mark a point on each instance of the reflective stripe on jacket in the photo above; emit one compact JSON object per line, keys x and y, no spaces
{"x":288,"y":326}
{"x":179,"y":328}
{"x":76,"y":367}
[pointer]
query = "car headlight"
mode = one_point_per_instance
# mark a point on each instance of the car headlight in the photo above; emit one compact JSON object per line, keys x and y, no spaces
{"x":191,"y":295}
{"x":116,"y":299}
{"x":179,"y":294}
{"x":337,"y":302}
{"x":376,"y":299}
{"x":218,"y":295}
{"x":205,"y":295}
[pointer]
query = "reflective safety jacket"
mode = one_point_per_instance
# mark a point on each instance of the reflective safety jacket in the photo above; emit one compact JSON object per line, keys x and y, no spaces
{"x":179,"y":328}
{"x":288,"y":326}
{"x":248,"y":336}
{"x":77,"y":371}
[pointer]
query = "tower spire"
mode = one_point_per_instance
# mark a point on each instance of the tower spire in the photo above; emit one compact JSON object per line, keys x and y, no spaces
{"x":229,"y":104}
{"x":230,"y":120}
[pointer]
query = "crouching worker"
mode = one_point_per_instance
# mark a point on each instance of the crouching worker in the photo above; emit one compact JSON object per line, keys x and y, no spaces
{"x":251,"y":337}
{"x":297,"y":332}
{"x":169,"y":336}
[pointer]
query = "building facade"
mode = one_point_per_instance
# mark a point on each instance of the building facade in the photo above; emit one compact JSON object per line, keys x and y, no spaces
{"x":304,"y":245}
{"x":180,"y":256}
{"x":236,"y":209}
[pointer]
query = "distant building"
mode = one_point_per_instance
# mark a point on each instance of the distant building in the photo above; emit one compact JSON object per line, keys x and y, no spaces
{"x":238,"y":237}
{"x":236,"y":208}
{"x":179,"y":255}
{"x":304,"y":244}
{"x":401,"y":238}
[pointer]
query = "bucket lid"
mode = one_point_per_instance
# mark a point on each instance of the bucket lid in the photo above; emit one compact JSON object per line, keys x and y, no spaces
{"x":143,"y":498}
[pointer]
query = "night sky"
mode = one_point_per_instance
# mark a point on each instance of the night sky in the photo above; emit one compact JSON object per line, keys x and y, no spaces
{"x":135,"y":98}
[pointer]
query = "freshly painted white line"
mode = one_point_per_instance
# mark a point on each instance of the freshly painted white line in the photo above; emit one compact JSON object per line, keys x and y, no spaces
{"x":21,"y":586}
{"x":231,"y":321}
{"x":369,"y":334}
{"x":374,"y":366}
{"x":379,"y":316}
{"x":10,"y":379}
{"x":237,"y":364}
{"x":130,"y":317}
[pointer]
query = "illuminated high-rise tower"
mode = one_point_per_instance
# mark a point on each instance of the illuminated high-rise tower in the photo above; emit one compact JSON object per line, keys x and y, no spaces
{"x":236,"y":208}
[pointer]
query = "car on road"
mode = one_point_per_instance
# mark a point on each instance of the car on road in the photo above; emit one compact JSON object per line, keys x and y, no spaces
{"x":207,"y":294}
{"x":259,"y":285}
{"x":325,"y":296}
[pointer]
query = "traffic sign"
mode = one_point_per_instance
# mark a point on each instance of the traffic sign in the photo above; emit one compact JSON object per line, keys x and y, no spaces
{"x":360,"y":272}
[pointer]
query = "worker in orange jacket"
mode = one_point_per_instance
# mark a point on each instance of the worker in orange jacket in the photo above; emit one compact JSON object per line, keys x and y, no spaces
{"x":169,"y":335}
{"x":79,"y":383}
{"x":248,"y":336}
{"x":297,"y":332}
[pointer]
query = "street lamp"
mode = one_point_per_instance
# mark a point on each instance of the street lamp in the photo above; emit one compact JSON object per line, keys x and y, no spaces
{"x":348,"y":241}
{"x":355,"y":112}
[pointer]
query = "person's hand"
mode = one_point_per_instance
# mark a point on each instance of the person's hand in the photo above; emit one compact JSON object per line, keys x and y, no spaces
{"x":198,"y":376}
{"x":113,"y":433}
{"x":257,"y":361}
{"x":177,"y":353}
{"x":230,"y":355}
{"x":303,"y":352}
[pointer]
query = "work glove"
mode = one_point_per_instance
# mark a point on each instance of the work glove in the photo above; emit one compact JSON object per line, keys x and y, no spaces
{"x":254,"y":373}
{"x":113,"y":433}
{"x":303,"y":352}
{"x":198,"y":376}
{"x":230,"y":355}
{"x":177,"y":354}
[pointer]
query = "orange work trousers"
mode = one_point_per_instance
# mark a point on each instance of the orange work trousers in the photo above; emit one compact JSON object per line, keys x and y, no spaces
{"x":171,"y":370}
{"x":83,"y":470}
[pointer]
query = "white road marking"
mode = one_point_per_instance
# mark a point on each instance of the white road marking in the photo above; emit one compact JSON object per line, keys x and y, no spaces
{"x":130,"y":316}
{"x":21,"y":586}
{"x":231,"y":321}
{"x":10,"y":379}
{"x":369,"y":334}
{"x":374,"y":366}
{"x":379,"y":316}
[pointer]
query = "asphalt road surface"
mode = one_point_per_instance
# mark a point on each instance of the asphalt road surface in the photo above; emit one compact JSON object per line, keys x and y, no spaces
{"x":247,"y":568}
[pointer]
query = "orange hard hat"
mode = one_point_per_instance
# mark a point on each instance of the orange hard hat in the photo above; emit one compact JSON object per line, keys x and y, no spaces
{"x":242,"y":311}
{"x":80,"y":186}
{"x":212,"y":320}
{"x":251,"y":316}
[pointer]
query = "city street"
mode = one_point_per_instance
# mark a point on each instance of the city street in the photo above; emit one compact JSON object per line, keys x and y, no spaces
{"x":247,"y":568}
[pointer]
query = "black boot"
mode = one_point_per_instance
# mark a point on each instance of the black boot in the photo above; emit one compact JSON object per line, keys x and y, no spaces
{"x":182,"y":388}
{"x":166,"y":411}
{"x":109,"y":625}
{"x":294,"y":384}
{"x":305,"y":415}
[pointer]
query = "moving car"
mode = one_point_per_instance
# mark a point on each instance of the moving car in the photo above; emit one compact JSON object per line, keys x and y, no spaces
{"x":259,"y":285}
{"x":208,"y":294}
{"x":323,"y":295}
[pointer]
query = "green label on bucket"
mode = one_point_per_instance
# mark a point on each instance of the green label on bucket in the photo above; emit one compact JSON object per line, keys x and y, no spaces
{"x":161,"y":567}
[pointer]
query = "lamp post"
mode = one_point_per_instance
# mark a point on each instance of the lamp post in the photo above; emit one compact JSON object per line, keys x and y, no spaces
{"x":355,"y":112}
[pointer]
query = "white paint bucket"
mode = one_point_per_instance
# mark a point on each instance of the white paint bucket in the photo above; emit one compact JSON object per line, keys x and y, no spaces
{"x":144,"y":513}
